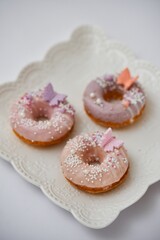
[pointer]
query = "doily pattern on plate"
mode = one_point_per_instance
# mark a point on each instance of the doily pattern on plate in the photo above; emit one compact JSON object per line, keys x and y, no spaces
{"x":88,"y":54}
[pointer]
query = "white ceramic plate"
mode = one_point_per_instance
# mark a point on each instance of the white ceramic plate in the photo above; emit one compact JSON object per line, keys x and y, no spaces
{"x":70,"y":66}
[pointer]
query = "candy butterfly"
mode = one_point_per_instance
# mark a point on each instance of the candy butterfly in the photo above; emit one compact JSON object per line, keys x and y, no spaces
{"x":126,"y":79}
{"x":109,"y":142}
{"x":52,"y":97}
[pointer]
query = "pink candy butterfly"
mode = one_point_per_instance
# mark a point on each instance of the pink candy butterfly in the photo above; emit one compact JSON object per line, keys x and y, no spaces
{"x":52,"y":97}
{"x":109,"y":142}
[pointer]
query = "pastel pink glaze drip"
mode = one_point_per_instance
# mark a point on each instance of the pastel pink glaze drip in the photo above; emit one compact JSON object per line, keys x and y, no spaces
{"x":85,"y":162}
{"x":117,"y":111}
{"x":34,"y":119}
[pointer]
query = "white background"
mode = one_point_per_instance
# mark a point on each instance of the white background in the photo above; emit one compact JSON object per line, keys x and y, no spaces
{"x":28,"y":28}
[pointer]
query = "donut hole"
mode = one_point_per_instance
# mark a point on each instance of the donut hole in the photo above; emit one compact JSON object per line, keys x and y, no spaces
{"x":94,"y":156}
{"x":40,"y":115}
{"x":92,"y":160}
{"x":41,"y":118}
{"x":112,"y":96}
{"x":41,"y":112}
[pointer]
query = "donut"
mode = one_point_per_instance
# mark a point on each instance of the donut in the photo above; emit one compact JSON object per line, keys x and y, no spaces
{"x":43,"y":117}
{"x":95,"y":162}
{"x":114,"y":101}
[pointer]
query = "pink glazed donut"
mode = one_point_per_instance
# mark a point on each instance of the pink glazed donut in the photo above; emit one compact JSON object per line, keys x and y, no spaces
{"x":114,"y":101}
{"x":95,"y":162}
{"x":43,"y":117}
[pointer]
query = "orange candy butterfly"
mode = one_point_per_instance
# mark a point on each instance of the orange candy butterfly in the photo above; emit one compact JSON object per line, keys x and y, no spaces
{"x":126,"y":79}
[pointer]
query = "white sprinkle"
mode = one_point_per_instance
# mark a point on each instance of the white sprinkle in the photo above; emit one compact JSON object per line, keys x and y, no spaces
{"x":72,"y":151}
{"x":85,"y":171}
{"x":92,"y":94}
{"x":98,"y":101}
{"x":22,"y":114}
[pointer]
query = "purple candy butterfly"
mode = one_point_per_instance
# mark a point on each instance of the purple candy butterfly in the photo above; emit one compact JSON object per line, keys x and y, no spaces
{"x":109,"y":142}
{"x":51,"y":96}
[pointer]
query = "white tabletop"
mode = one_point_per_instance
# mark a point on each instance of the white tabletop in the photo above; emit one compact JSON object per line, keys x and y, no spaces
{"x":27,"y":30}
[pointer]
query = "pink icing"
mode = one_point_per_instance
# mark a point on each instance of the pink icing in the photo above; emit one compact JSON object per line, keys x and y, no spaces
{"x":117,"y":111}
{"x":34,"y":119}
{"x":85,"y":163}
